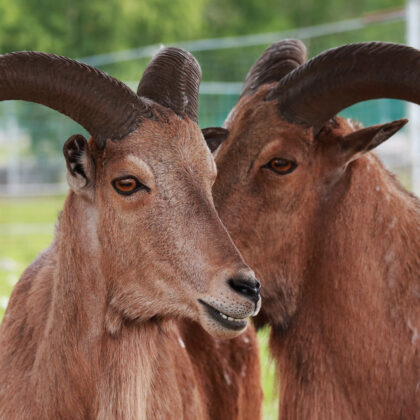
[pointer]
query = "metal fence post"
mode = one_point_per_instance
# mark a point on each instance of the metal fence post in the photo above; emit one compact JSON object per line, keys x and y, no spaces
{"x":413,"y":39}
{"x":12,"y":133}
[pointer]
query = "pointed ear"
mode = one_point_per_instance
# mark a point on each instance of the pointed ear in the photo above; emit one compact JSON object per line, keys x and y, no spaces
{"x":214,"y":136}
{"x":361,"y":141}
{"x":80,"y":166}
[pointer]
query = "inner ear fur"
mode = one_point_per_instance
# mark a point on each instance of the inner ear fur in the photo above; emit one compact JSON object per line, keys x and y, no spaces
{"x":359,"y":142}
{"x":214,"y":136}
{"x":80,"y":166}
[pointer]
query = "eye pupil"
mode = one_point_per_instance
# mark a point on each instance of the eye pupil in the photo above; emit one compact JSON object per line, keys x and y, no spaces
{"x":281,"y":166}
{"x":126,"y":184}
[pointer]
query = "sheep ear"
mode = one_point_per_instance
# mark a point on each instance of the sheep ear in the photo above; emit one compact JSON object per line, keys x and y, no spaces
{"x":80,"y":166}
{"x":361,"y":141}
{"x":214,"y":136}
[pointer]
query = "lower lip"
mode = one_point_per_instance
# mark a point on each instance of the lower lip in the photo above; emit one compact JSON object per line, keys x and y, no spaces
{"x":217,"y":316}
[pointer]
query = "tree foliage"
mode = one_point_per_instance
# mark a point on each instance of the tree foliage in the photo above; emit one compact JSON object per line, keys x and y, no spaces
{"x":79,"y":28}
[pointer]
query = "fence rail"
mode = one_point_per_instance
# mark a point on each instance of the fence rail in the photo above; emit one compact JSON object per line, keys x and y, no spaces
{"x":31,"y":136}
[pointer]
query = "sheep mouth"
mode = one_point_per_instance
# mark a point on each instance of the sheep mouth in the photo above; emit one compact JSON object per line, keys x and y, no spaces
{"x":225,"y":320}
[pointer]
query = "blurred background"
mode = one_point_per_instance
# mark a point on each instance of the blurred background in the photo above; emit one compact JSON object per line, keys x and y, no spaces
{"x":120,"y":37}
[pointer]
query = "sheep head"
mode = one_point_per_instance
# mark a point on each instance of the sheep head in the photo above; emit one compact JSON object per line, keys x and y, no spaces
{"x":283,"y":154}
{"x":141,"y":191}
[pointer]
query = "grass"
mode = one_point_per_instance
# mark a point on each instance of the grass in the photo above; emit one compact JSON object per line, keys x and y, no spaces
{"x":27,"y":227}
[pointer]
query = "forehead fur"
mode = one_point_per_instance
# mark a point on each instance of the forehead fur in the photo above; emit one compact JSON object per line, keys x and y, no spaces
{"x":168,"y":142}
{"x":257,"y":121}
{"x":162,"y":135}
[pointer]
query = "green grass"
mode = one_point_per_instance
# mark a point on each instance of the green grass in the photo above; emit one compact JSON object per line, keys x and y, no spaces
{"x":271,"y":403}
{"x":30,"y":210}
{"x":27,"y":227}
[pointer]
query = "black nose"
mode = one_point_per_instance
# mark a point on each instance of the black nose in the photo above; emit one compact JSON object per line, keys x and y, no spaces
{"x":249,"y":287}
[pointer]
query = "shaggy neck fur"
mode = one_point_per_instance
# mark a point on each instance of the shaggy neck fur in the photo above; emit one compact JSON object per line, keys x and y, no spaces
{"x":59,"y":360}
{"x":352,"y":345}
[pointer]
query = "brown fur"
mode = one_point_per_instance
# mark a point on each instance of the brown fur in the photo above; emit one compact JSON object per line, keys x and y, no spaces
{"x":336,"y":245}
{"x":105,"y":323}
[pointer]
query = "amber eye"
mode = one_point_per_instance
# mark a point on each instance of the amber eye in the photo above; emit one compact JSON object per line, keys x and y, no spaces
{"x":128,"y":185}
{"x":281,"y":166}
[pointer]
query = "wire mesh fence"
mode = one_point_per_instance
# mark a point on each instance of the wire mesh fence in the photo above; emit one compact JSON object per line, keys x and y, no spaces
{"x":31,"y":136}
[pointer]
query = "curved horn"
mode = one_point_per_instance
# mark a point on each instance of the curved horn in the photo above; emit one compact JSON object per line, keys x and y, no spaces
{"x":343,"y":76}
{"x":275,"y":62}
{"x":104,"y":106}
{"x":172,"y":79}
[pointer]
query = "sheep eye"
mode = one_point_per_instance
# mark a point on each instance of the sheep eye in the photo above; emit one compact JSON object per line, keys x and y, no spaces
{"x":281,"y":166}
{"x":128,"y":185}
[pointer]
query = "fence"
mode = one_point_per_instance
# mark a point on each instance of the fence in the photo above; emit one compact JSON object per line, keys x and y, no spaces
{"x":31,"y":136}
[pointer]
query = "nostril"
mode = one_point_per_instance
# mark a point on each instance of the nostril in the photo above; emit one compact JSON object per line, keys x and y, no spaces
{"x":248,"y":287}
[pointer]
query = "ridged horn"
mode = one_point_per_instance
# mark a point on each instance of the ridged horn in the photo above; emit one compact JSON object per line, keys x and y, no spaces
{"x":172,"y":79}
{"x":275,"y":62}
{"x":343,"y":76}
{"x":104,"y":106}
